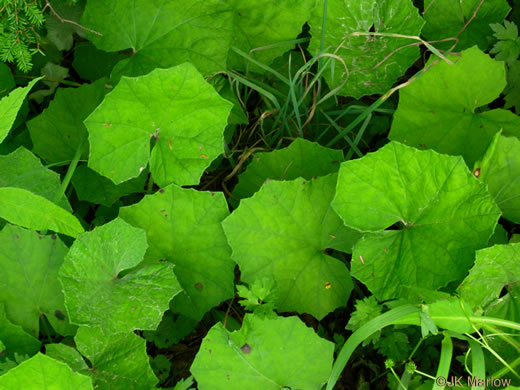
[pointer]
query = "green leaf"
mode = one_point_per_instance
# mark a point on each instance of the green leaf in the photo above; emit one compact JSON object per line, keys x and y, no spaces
{"x":21,"y":207}
{"x":29,"y":284}
{"x":22,"y":169}
{"x":499,"y":237}
{"x":44,"y":373}
{"x":10,"y":105}
{"x":452,"y":314}
{"x":61,"y":32}
{"x":508,"y":306}
{"x":267,"y":25}
{"x":176,"y":108}
{"x":444,"y":215}
{"x":508,"y":47}
{"x":447,"y":18}
{"x":172,"y":329}
{"x":500,"y":170}
{"x":264,"y":354}
{"x":66,"y":354}
{"x":119,"y":361}
{"x":183,"y":227}
{"x":496,"y":267}
{"x":395,"y":346}
{"x":92,"y":187}
{"x":282,"y":232}
{"x":91,"y":63}
{"x":300,"y":159}
{"x":440,"y":110}
{"x":53,"y":74}
{"x":57,"y":132}
{"x":15,"y":339}
{"x":162,"y":33}
{"x":366,"y":310}
{"x":371,"y":63}
{"x":259,"y":297}
{"x":6,"y":80}
{"x":512,"y":91}
{"x":96,"y":294}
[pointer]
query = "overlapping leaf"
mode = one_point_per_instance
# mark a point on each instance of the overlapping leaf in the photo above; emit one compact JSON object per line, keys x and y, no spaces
{"x":176,"y":109}
{"x":96,"y":294}
{"x":449,"y":19}
{"x":44,"y":373}
{"x":10,"y":105}
{"x":265,"y":354}
{"x":15,"y":339}
{"x":265,"y":29}
{"x":282,"y":232}
{"x":498,"y":266}
{"x":300,"y":159}
{"x":22,"y":207}
{"x":66,"y":354}
{"x":165,"y":33}
{"x":93,"y":187}
{"x":443,"y":214}
{"x":22,"y":169}
{"x":29,"y":287}
{"x":500,"y":170}
{"x":119,"y":361}
{"x":58,"y":131}
{"x":162,"y":33}
{"x":440,"y":110}
{"x":370,"y":64}
{"x":183,"y":227}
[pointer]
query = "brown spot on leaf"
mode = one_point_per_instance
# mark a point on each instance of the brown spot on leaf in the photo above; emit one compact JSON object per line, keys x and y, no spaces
{"x":476,"y":172}
{"x":204,"y":156}
{"x":199,"y":286}
{"x":332,"y":236}
{"x":328,"y":285}
{"x":161,"y":191}
{"x":246,"y":348}
{"x":107,"y":124}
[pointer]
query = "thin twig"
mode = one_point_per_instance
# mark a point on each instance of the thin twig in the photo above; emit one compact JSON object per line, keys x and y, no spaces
{"x":63,"y":20}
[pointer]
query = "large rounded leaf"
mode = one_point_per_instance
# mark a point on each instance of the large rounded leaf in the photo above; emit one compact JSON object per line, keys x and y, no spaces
{"x":174,"y":108}
{"x":500,"y":170}
{"x":265,"y":354}
{"x":29,"y":287}
{"x":44,"y":373}
{"x":440,"y":109}
{"x":282,"y":232}
{"x":498,"y":266}
{"x":119,"y":361}
{"x":371,"y":64}
{"x":183,"y":227}
{"x":95,"y":292}
{"x":443,"y":214}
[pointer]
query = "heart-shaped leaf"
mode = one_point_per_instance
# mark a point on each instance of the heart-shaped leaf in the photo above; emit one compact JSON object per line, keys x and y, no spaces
{"x":97,"y":294}
{"x":176,"y":109}
{"x":443,"y":214}
{"x":282,"y":232}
